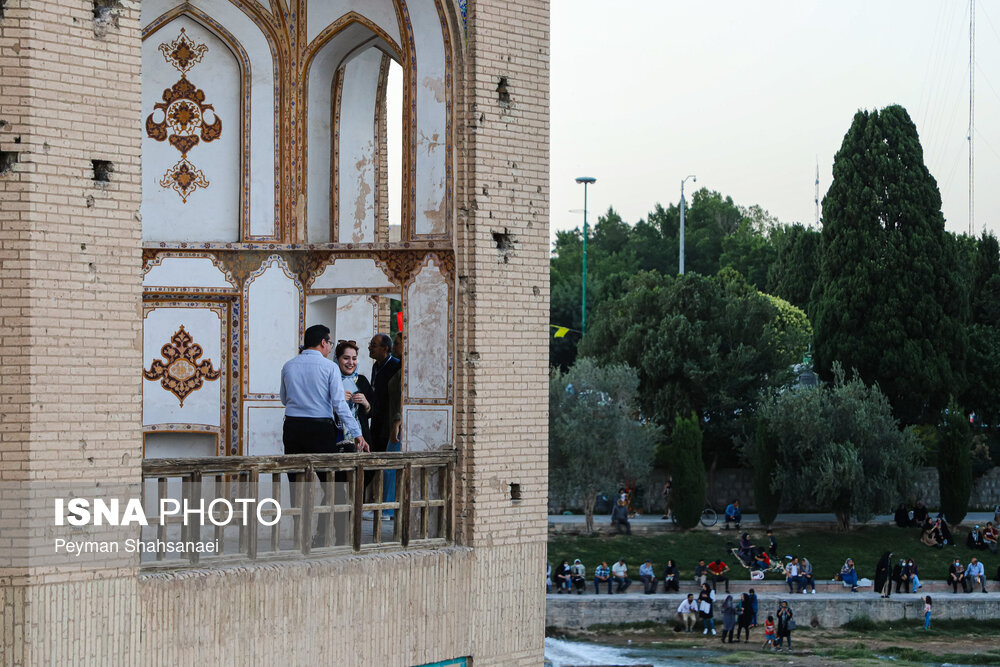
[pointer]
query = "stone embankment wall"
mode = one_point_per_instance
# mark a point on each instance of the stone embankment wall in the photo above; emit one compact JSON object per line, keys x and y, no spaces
{"x":572,"y":612}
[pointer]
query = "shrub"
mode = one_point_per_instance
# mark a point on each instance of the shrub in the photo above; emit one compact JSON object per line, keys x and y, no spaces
{"x":687,"y":494}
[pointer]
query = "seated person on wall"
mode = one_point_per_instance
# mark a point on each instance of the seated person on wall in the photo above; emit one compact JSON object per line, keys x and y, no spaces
{"x":792,"y":576}
{"x":733,"y":514}
{"x":671,"y":577}
{"x":687,"y":612}
{"x":718,"y":568}
{"x":990,"y":536}
{"x":806,"y":575}
{"x":974,"y":540}
{"x":975,"y":573}
{"x":911,"y":575}
{"x":578,"y":576}
{"x":647,"y":577}
{"x":602,"y":575}
{"x":701,"y":572}
{"x":956,"y":577}
{"x":562,"y":580}
{"x":619,"y":518}
{"x":849,"y":575}
{"x":920,"y":515}
{"x":619,"y":574}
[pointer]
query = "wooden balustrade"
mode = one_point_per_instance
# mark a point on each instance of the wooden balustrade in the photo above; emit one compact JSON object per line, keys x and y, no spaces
{"x":323,"y":510}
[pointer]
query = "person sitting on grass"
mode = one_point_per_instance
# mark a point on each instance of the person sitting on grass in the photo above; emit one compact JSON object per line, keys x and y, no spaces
{"x":975,"y":574}
{"x":578,"y":576}
{"x":718,"y":569}
{"x":762,"y":561}
{"x":849,"y":575}
{"x":942,"y":526}
{"x":733,"y":514}
{"x":647,"y":577}
{"x":990,"y":536}
{"x":974,"y":540}
{"x":671,"y":577}
{"x":920,"y":515}
{"x":619,"y":574}
{"x":956,"y":577}
{"x":602,"y":575}
{"x":746,"y":549}
{"x":932,"y":537}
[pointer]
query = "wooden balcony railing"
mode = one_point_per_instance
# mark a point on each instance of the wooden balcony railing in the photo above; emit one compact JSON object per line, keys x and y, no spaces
{"x":322,"y":501}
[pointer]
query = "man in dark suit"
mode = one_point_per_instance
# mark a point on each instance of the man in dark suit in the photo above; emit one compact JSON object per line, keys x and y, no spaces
{"x":385,"y":366}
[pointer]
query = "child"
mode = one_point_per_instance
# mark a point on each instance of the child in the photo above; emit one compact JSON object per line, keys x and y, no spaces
{"x":927,"y":613}
{"x":769,"y":633}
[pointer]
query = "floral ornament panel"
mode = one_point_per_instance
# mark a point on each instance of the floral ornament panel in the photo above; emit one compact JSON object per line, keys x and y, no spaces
{"x":180,"y":372}
{"x":183,"y":118}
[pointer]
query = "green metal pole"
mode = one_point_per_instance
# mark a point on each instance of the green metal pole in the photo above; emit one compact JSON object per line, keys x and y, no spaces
{"x":583,"y":322}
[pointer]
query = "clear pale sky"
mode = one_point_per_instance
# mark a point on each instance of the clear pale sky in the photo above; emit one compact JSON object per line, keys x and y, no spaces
{"x":750,"y":95}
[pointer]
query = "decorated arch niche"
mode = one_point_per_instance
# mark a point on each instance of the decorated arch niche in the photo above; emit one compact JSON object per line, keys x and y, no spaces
{"x":266,"y":207}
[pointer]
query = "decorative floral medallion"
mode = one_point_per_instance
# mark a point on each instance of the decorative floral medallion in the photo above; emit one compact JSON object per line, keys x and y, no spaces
{"x":186,"y":119}
{"x":180,"y":372}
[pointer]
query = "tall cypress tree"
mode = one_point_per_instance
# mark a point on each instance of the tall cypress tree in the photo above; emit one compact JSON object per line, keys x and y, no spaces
{"x":888,"y":301}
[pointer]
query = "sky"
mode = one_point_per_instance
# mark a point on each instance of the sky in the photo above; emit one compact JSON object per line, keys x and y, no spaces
{"x":750,"y":96}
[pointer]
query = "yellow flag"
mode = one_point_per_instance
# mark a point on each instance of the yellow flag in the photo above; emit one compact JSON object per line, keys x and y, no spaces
{"x":561,"y":331}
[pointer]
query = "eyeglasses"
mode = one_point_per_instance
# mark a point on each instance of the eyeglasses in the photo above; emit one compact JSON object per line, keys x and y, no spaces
{"x":349,"y":342}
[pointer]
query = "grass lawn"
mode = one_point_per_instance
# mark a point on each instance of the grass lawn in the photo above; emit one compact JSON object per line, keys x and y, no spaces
{"x":826,"y":549}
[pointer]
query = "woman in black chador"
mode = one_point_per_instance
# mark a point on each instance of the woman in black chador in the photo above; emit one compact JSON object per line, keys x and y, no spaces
{"x":883,"y":583}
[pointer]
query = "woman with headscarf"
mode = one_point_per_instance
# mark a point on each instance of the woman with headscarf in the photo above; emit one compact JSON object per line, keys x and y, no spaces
{"x":745,"y":618}
{"x":849,"y":575}
{"x":784,"y":625}
{"x":671,"y":577}
{"x":706,"y":606}
{"x":358,"y":390}
{"x":806,"y":575}
{"x":883,"y":581}
{"x":746,"y":549}
{"x":728,"y":619}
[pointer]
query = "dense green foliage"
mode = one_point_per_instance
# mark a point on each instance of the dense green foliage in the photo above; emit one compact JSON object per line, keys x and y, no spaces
{"x":761,"y":452}
{"x":595,"y":437}
{"x":840,"y":447}
{"x":954,"y":465}
{"x":703,"y":344}
{"x":889,"y":301}
{"x":687,"y":493}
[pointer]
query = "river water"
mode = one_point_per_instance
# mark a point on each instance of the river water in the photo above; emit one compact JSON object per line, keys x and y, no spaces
{"x":561,"y":653}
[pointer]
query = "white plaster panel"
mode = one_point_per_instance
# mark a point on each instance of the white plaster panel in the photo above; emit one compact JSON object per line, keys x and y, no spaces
{"x":273,"y":311}
{"x":202,"y":406}
{"x":352,"y":273}
{"x":324,"y":12}
{"x":186,"y":272}
{"x":180,"y":445}
{"x":263,"y":421}
{"x":358,"y":161}
{"x":427,"y":314}
{"x":262,"y":130}
{"x":212,"y":212}
{"x":430,"y":186}
{"x":426,"y":427}
{"x":357,"y":320}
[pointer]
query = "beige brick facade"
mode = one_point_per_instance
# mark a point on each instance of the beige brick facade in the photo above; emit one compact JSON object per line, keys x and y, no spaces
{"x":70,"y":258}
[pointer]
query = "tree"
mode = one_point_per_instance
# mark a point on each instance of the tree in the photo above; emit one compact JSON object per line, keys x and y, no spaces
{"x":888,"y":301}
{"x":748,"y":251}
{"x":761,"y":453}
{"x":596,"y":436}
{"x":796,"y":264}
{"x":983,"y":361}
{"x":954,"y":464}
{"x":687,"y":491}
{"x":838,"y":447}
{"x":704,"y":344}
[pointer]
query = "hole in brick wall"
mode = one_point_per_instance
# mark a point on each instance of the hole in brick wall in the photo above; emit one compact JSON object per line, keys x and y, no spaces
{"x":515,"y":491}
{"x":102,"y":170}
{"x":3,"y":6}
{"x":106,"y":13}
{"x":505,"y":245}
{"x":503,"y":95}
{"x":7,"y":161}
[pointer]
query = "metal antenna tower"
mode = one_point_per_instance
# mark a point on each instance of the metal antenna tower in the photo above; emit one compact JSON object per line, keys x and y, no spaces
{"x":972,"y":117}
{"x":817,"y":192}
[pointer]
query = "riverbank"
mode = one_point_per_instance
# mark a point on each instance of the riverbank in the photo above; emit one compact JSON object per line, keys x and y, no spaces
{"x":958,"y":642}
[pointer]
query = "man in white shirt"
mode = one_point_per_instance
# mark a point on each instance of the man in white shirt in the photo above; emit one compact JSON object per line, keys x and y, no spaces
{"x":619,"y":574}
{"x":687,"y":612}
{"x":976,"y":573}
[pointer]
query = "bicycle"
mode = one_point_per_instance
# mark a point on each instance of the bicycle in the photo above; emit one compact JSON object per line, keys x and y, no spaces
{"x":709,"y":517}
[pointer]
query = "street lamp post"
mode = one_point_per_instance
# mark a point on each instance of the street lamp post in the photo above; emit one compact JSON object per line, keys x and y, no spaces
{"x":586,"y":180}
{"x":680,"y":263}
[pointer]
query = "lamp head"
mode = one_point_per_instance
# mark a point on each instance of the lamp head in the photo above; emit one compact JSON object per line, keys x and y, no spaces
{"x":586,"y":179}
